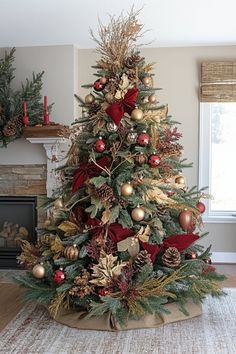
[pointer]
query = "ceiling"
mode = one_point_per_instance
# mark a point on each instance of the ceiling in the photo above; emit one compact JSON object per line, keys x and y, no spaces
{"x":171,"y":22}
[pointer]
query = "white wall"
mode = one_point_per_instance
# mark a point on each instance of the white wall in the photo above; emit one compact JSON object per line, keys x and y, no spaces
{"x":58,"y":85}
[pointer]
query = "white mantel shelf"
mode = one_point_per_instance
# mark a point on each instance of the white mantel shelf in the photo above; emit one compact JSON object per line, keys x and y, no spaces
{"x":56,"y":149}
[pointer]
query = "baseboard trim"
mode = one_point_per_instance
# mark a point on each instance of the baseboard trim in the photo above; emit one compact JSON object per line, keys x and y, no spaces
{"x":223,"y":257}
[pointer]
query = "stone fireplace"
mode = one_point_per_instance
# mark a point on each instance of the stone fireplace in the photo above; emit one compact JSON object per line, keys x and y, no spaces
{"x":23,"y":189}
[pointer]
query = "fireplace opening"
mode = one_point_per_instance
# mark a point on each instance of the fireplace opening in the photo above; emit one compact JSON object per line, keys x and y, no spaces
{"x":18,"y":221}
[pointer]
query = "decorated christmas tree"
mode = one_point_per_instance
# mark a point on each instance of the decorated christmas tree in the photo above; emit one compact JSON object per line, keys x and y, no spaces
{"x":120,"y":239}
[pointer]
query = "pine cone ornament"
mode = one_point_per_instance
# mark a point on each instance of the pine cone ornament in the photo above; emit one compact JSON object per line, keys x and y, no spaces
{"x":18,"y":120}
{"x":132,"y":75}
{"x":161,"y":210}
{"x":9,"y":129}
{"x":141,"y":260}
{"x":132,"y":61}
{"x":171,"y":258}
{"x":105,"y":193}
{"x":93,"y":109}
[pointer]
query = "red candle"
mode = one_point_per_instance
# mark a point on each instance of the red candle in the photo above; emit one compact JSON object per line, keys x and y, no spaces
{"x":24,"y":108}
{"x":45,"y":109}
{"x":45,"y":103}
{"x":25,"y":120}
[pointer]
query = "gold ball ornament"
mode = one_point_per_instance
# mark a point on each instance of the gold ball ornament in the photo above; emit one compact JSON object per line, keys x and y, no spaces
{"x":89,"y":99}
{"x":147,"y":80}
{"x":109,"y":97}
{"x":71,"y":253}
{"x":145,"y":100}
{"x":58,"y":204}
{"x":152,"y":98}
{"x":103,"y":80}
{"x":138,"y":214}
{"x":38,"y":271}
{"x":180,"y":180}
{"x":137,"y":114}
{"x":126,"y":189}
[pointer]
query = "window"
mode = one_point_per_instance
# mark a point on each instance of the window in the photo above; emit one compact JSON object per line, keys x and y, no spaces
{"x":217,"y":140}
{"x":217,"y":159}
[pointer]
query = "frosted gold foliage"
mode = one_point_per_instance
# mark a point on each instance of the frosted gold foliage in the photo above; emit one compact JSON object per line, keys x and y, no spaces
{"x":117,"y":39}
{"x":107,"y":267}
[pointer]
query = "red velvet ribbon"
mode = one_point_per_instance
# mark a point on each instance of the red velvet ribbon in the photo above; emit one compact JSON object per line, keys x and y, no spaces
{"x":88,"y":170}
{"x":179,"y":241}
{"x":115,"y":231}
{"x":117,"y":109}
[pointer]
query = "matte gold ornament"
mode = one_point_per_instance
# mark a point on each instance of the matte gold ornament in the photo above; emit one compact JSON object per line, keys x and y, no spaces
{"x":180,"y":180}
{"x":137,"y":114}
{"x":109,"y":97}
{"x":186,"y":220}
{"x":111,"y":127}
{"x":147,"y":80}
{"x":38,"y":271}
{"x":89,"y":99}
{"x":103,"y":80}
{"x":58,"y":204}
{"x":71,"y":253}
{"x":138,"y":214}
{"x":152,"y":98}
{"x":126,"y":189}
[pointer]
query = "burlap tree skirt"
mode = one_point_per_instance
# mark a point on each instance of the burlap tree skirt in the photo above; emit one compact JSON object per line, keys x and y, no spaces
{"x":107,"y":322}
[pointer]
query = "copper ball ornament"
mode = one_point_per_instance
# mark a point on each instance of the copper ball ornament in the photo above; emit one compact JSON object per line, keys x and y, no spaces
{"x":143,"y":139}
{"x":154,"y":160}
{"x":38,"y":271}
{"x":71,"y":253}
{"x":152,"y":98}
{"x":59,"y":276}
{"x":138,"y":214}
{"x":147,"y":80}
{"x":89,"y":99}
{"x":186,"y":220}
{"x":98,"y":86}
{"x":100,"y":145}
{"x":137,"y":114}
{"x":111,"y":127}
{"x":201,"y":207}
{"x":131,"y":137}
{"x":180,"y":180}
{"x":126,"y":189}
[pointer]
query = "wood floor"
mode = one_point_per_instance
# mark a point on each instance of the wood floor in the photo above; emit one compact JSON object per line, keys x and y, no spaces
{"x":11,"y":296}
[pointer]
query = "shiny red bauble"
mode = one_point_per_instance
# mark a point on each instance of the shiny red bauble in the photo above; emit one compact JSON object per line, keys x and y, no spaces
{"x":143,"y":139}
{"x":100,"y":145}
{"x":98,"y":85}
{"x":59,"y":276}
{"x":201,"y":207}
{"x":154,"y":161}
{"x":103,"y":292}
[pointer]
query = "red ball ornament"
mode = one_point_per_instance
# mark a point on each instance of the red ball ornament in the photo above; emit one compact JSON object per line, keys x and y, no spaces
{"x":192,"y":255}
{"x":201,"y":207}
{"x":154,"y":161}
{"x":98,"y":85}
{"x":143,"y":139}
{"x":207,"y":260}
{"x":103,"y":292}
{"x":59,"y":276}
{"x":100,"y":145}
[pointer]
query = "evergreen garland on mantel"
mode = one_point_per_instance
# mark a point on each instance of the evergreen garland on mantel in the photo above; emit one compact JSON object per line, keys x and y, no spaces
{"x":11,"y":100}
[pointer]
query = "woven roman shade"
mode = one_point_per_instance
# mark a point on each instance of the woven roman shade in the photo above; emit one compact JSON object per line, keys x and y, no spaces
{"x":218,"y":81}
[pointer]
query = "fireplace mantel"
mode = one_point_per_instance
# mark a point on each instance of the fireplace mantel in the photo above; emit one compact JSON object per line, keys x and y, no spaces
{"x":56,"y":149}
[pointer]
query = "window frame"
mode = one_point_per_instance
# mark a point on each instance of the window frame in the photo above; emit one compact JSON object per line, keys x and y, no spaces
{"x":204,"y":169}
